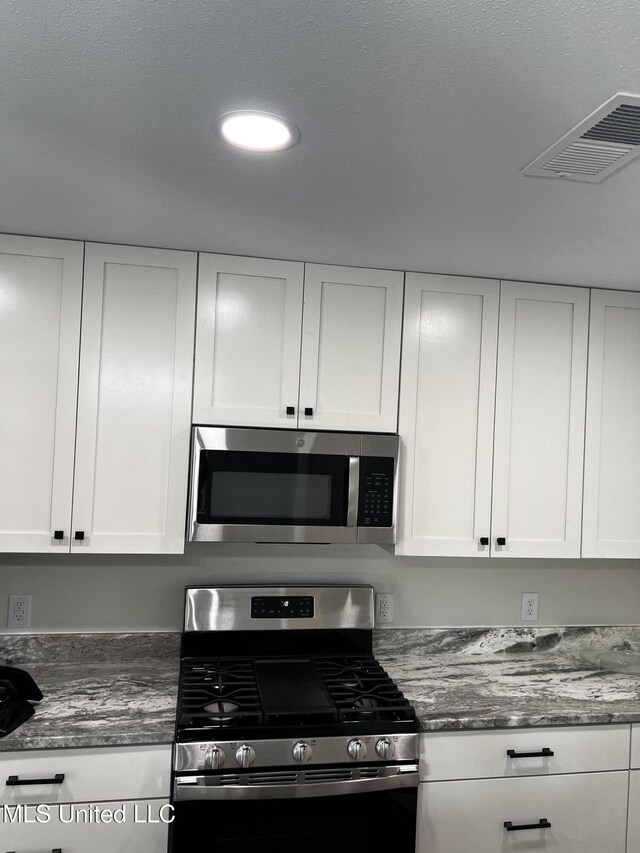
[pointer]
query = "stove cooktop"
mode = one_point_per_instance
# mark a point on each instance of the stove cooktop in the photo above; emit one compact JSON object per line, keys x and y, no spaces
{"x":265,"y":696}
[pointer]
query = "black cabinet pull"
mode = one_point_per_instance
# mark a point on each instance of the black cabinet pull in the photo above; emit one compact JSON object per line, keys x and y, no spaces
{"x":484,"y":540}
{"x":55,"y":850}
{"x":58,"y":534}
{"x":308,"y":412}
{"x":58,"y":779}
{"x":544,"y":753}
{"x":291,"y":410}
{"x":543,"y":823}
{"x":501,"y":540}
{"x":79,"y":535}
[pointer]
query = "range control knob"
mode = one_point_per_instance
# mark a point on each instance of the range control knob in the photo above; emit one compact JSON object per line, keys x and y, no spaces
{"x":357,"y":749}
{"x":384,"y":748}
{"x":302,"y":752}
{"x":245,"y":755}
{"x":214,"y":758}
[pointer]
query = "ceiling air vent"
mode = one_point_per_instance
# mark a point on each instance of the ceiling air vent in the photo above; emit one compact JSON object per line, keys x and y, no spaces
{"x":604,"y":142}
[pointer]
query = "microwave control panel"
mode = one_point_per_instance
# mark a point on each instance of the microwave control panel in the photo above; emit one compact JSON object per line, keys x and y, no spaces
{"x":375,"y":500}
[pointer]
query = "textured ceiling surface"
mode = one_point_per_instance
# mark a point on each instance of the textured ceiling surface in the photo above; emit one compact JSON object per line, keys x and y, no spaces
{"x":416,"y":117}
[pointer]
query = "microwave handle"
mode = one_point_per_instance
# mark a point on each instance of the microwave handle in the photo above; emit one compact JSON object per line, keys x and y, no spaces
{"x":354,"y":491}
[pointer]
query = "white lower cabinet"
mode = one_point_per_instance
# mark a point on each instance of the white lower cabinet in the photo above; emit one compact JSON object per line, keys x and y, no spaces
{"x":103,"y":800}
{"x":633,"y":828}
{"x":635,"y":746}
{"x":562,"y":789}
{"x":79,"y":775}
{"x":106,"y":827}
{"x":586,"y":813}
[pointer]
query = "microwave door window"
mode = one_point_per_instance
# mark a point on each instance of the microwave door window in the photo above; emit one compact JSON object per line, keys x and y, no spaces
{"x":258,"y":488}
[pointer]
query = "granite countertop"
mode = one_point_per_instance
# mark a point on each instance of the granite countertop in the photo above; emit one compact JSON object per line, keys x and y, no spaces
{"x":500,"y":678}
{"x":117,"y":689}
{"x":102,"y":690}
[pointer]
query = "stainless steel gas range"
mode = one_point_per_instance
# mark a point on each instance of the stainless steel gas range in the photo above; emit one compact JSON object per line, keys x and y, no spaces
{"x":290,"y":735}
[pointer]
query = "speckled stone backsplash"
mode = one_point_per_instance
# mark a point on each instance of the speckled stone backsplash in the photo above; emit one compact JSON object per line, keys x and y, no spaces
{"x":111,"y":648}
{"x":87,"y":648}
{"x":473,"y":641}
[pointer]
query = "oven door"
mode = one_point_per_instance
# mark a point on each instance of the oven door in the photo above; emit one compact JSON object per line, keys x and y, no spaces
{"x":323,"y":817}
{"x":260,"y":486}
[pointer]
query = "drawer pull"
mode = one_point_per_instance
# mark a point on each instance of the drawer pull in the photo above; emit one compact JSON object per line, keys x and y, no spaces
{"x":543,"y":823}
{"x":58,"y":779}
{"x":544,"y":753}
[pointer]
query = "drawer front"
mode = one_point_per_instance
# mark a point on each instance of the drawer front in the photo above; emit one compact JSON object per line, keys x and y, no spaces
{"x":586,"y":813}
{"x":485,"y":754}
{"x":123,"y":773}
{"x":82,"y":827}
{"x":635,"y":746}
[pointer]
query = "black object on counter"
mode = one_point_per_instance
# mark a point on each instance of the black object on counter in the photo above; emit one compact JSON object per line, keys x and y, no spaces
{"x":17,"y":691}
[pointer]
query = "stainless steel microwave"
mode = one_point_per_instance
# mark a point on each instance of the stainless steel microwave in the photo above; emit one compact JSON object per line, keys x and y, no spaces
{"x":261,"y":485}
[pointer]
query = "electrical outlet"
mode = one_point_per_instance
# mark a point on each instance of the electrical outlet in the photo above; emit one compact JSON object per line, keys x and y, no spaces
{"x":19,"y":611}
{"x":384,"y":607}
{"x":529,"y":607}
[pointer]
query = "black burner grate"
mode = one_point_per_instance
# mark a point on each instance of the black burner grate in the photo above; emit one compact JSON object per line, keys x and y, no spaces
{"x":224,"y":692}
{"x":362,"y":690}
{"x":219,"y":692}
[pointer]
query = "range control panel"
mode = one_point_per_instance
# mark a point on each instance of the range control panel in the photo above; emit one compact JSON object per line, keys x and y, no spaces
{"x":375,"y":501}
{"x":277,"y":607}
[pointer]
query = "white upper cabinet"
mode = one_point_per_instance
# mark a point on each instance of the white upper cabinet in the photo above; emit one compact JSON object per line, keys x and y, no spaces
{"x":40,"y":298}
{"x":351,"y":335}
{"x":446,"y":414}
{"x":611,"y":522}
{"x":539,"y":425}
{"x":261,"y":361}
{"x":134,"y":400}
{"x":452,"y":503}
{"x":247,"y":364}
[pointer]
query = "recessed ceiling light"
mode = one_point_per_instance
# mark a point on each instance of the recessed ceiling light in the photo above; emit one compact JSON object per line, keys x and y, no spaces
{"x":257,"y":131}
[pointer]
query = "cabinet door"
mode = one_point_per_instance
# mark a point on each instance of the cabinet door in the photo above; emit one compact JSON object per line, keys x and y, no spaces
{"x":587,"y":813}
{"x":539,"y":430}
{"x":247,"y":365}
{"x":134,"y":400}
{"x":105,"y":827}
{"x":446,"y":414}
{"x":351,"y":332}
{"x":40,"y":298}
{"x":611,"y":521}
{"x":633,"y":829}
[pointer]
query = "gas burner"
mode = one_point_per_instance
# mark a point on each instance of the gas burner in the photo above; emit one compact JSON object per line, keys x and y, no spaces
{"x":366,"y":703}
{"x":221,"y":707}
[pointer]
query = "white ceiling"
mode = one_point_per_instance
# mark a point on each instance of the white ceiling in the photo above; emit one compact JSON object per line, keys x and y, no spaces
{"x":416,"y":118}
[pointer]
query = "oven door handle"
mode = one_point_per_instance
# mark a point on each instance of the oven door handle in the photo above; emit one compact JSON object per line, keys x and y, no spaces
{"x":196,"y":787}
{"x":353,"y":491}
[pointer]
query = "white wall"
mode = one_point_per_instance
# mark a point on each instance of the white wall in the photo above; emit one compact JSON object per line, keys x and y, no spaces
{"x":146,"y":593}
